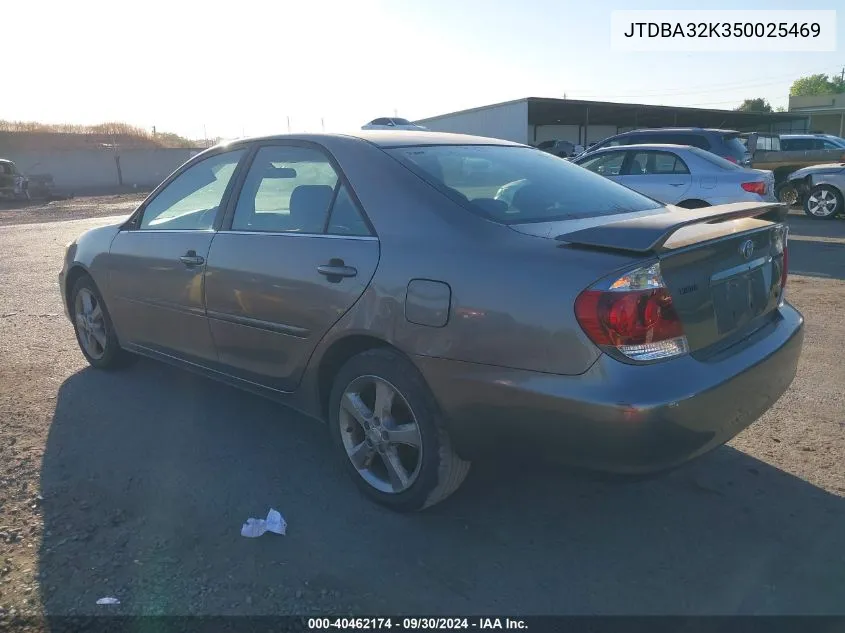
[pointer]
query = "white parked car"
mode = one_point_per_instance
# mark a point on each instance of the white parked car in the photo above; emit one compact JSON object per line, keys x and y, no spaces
{"x":392,"y":123}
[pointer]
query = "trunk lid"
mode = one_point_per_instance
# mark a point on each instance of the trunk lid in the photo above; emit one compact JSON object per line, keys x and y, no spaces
{"x":723,"y":267}
{"x":725,"y":287}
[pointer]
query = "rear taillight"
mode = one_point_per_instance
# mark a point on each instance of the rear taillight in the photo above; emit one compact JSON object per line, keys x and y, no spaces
{"x":732,"y":159}
{"x":781,"y":241}
{"x":755,"y":187}
{"x":633,"y":315}
{"x":785,"y":273}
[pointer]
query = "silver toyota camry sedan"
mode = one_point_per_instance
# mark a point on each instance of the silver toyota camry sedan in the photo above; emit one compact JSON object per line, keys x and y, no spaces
{"x":376,"y":283}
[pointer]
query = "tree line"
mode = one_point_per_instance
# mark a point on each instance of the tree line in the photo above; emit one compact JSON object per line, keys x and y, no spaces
{"x":811,"y":85}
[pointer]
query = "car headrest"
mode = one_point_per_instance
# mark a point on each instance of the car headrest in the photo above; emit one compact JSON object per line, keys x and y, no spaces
{"x":308,"y":205}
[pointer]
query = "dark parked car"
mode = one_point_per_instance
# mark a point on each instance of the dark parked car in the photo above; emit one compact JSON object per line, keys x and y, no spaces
{"x":725,"y":143}
{"x":13,"y":184}
{"x":561,"y":149}
{"x":374,"y":282}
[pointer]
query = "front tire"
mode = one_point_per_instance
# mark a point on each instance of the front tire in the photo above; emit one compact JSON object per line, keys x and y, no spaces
{"x":94,"y":329}
{"x":390,"y":433}
{"x":823,"y":202}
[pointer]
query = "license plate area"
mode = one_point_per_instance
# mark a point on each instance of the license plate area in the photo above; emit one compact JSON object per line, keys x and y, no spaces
{"x":740,"y":298}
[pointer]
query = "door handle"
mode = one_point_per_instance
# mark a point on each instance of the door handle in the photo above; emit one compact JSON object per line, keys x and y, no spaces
{"x":336,"y":268}
{"x":192,"y":259}
{"x":676,"y":184}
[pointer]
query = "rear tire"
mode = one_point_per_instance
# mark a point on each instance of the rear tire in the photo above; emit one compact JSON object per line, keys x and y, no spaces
{"x":787,"y":194}
{"x":381,"y":394}
{"x":823,"y":202}
{"x":93,"y":326}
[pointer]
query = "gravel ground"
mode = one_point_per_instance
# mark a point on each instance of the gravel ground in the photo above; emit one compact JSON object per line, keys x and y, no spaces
{"x":135,"y":484}
{"x":75,"y":208}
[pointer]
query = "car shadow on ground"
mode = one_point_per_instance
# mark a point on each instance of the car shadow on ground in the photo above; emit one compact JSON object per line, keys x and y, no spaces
{"x":149,"y":473}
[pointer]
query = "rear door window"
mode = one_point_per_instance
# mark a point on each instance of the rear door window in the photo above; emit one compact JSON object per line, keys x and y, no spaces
{"x":287,"y":189}
{"x":656,"y":163}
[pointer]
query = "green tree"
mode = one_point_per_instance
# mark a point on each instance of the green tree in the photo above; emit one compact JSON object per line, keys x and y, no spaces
{"x":813,"y":85}
{"x":755,"y":105}
{"x":838,"y":84}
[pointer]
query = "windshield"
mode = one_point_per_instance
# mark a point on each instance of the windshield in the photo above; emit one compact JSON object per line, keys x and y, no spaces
{"x":835,"y":140}
{"x":514,"y":185}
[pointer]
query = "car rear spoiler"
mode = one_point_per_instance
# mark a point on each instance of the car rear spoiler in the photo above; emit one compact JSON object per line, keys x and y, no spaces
{"x":648,"y":234}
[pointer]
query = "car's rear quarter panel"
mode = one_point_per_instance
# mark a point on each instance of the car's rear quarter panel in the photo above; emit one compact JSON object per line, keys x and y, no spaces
{"x":512,"y":295}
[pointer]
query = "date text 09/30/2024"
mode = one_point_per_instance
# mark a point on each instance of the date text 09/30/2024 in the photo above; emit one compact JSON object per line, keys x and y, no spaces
{"x":413,"y":624}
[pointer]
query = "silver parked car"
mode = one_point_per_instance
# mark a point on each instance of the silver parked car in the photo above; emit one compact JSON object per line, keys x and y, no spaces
{"x":375,"y":282}
{"x":681,"y":175}
{"x":821,"y":190}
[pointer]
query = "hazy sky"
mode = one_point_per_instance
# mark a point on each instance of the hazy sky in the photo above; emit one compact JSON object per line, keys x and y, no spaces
{"x":244,"y":66}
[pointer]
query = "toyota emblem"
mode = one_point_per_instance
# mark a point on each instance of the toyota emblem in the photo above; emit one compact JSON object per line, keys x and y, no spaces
{"x":747,"y":249}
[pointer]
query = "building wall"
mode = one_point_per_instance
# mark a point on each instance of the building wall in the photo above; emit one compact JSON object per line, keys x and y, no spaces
{"x":573,"y":133}
{"x":828,"y":123}
{"x":540,"y":133}
{"x":507,"y":121}
{"x":817,"y":101}
{"x":826,"y":112}
{"x":81,"y":169}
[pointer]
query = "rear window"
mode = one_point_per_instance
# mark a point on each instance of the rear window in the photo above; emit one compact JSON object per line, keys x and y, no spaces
{"x":513,"y":185}
{"x":735,"y":146}
{"x":718,"y":161}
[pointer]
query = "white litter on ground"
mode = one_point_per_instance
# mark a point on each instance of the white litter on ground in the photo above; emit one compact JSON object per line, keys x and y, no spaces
{"x":108,"y":601}
{"x":274,"y":522}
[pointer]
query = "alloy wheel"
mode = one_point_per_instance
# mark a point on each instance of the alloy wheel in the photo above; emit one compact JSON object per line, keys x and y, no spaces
{"x":90,"y":323}
{"x":380,"y":434}
{"x":822,"y":203}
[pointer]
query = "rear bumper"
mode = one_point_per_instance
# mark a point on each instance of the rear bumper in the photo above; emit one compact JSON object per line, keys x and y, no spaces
{"x":618,"y":417}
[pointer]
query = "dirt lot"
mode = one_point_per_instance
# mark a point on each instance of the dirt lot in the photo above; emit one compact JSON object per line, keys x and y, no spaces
{"x":135,"y":485}
{"x":72,"y":209}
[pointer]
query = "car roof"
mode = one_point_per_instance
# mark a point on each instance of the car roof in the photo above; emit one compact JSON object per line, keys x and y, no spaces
{"x":642,"y":146}
{"x":388,"y":138}
{"x":680,"y":129}
{"x":819,"y":135}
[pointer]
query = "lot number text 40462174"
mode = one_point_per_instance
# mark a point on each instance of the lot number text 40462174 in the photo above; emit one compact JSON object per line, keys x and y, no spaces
{"x":420,"y":623}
